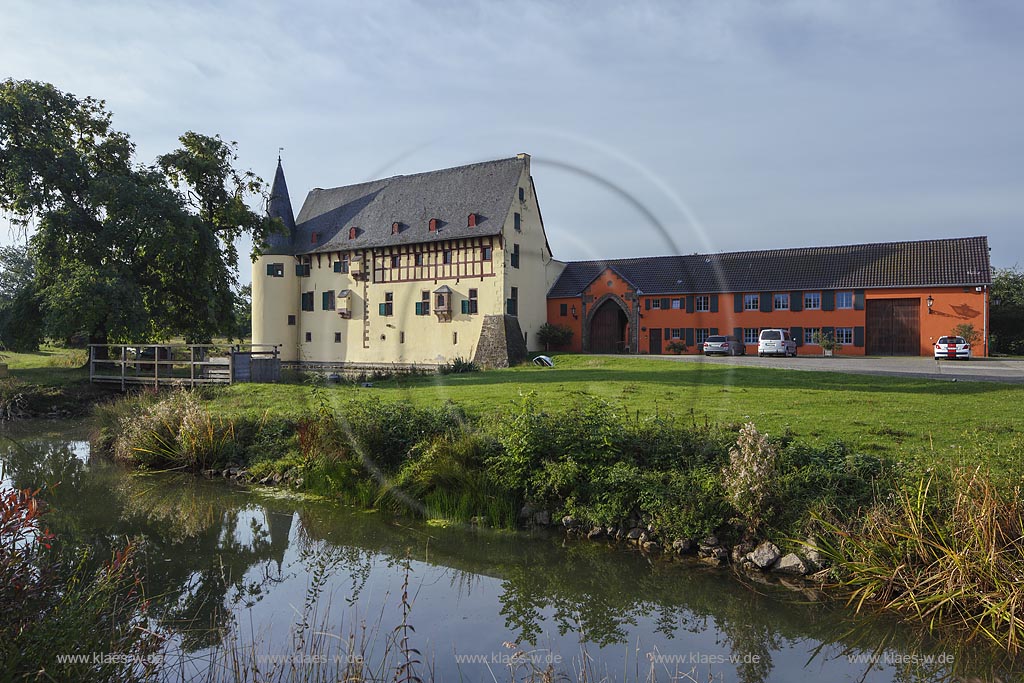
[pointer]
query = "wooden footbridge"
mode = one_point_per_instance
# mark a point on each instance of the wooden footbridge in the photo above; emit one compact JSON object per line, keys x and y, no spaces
{"x":189,"y":365}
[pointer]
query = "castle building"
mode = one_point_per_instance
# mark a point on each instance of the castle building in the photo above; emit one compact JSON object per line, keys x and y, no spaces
{"x":410,"y":270}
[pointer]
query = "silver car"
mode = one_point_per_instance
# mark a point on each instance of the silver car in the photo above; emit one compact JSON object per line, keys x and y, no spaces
{"x":776,"y":342}
{"x":724,"y":344}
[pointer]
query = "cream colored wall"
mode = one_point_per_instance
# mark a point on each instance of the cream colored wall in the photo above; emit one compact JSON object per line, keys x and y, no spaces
{"x":532,"y":276}
{"x":273,"y":300}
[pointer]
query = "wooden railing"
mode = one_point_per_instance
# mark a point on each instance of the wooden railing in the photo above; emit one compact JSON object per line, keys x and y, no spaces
{"x":189,"y":365}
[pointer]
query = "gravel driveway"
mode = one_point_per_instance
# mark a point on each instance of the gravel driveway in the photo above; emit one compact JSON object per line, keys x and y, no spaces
{"x":974,"y":370}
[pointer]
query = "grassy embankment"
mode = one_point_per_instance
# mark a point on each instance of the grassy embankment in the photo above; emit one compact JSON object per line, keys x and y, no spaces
{"x":911,"y":486}
{"x":52,"y":381}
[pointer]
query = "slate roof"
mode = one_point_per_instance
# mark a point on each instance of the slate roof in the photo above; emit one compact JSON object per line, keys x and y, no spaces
{"x":449,"y":195}
{"x":280,"y":206}
{"x":941,"y":262}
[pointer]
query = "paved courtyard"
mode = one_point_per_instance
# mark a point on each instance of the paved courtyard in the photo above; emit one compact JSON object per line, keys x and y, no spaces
{"x":974,"y":370}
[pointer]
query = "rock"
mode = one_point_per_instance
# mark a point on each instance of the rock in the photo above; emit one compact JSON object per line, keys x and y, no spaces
{"x":595,"y":533}
{"x":683,"y":546}
{"x":812,"y":556}
{"x":716,"y":557}
{"x":542,"y":518}
{"x":610,"y":530}
{"x":209,"y":474}
{"x":651,"y":546}
{"x":765,"y":555}
{"x":242,"y":475}
{"x":526,"y":513}
{"x":299,"y":481}
{"x":569,"y":522}
{"x":790,"y":564}
{"x":644,"y":538}
{"x":710,"y":540}
{"x":739,"y":552}
{"x":634,"y":534}
{"x":267,"y":480}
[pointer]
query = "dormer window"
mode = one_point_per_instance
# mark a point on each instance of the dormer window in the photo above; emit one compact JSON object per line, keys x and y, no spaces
{"x":396,"y":228}
{"x":432,"y":226}
{"x":472,"y":220}
{"x":353,"y":233}
{"x":314,"y":238}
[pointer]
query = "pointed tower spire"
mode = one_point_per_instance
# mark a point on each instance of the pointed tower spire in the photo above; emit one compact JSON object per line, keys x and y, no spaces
{"x":280,"y":205}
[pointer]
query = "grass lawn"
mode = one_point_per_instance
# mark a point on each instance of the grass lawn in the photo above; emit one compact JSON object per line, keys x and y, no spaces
{"x":50,"y":366}
{"x":966,"y":422}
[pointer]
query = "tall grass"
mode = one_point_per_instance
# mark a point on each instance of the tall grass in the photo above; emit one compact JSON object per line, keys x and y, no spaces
{"x":948,"y":551}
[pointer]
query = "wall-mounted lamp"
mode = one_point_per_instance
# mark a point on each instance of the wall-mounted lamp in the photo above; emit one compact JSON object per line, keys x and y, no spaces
{"x":574,"y":310}
{"x":931,"y":302}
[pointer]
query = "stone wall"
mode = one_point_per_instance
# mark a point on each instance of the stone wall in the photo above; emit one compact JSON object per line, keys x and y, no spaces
{"x":501,"y":342}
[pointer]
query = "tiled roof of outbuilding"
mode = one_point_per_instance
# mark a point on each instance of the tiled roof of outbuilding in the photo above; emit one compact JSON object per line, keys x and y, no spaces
{"x":449,"y":195}
{"x":950,"y":262}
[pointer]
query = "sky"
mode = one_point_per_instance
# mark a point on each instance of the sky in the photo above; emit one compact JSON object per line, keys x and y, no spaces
{"x":654,"y":127}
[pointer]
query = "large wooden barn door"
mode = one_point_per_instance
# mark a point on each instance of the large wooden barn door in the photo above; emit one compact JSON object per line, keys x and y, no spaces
{"x":893,"y":327}
{"x":606,"y":328}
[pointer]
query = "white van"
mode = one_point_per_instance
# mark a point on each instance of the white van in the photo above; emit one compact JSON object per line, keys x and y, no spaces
{"x":776,"y":342}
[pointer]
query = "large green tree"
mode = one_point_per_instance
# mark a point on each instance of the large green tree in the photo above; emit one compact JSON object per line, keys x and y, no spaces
{"x":21,"y":324}
{"x":1007,"y":296}
{"x":123,"y":252}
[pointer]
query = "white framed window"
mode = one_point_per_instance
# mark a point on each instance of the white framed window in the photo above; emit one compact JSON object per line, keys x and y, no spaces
{"x":677,"y":304}
{"x":811,"y":335}
{"x":844,"y":299}
{"x":781,"y":302}
{"x":844,"y":335}
{"x":750,"y":335}
{"x":751,"y":302}
{"x":812,"y":301}
{"x":655,"y":304}
{"x":702,"y":335}
{"x":703,"y":302}
{"x":677,"y":333}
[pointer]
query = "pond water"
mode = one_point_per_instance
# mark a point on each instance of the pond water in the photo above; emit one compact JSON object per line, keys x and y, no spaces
{"x":236,"y":573}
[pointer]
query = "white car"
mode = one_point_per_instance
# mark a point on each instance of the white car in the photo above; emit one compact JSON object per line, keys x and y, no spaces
{"x":952,"y":348}
{"x":776,"y":342}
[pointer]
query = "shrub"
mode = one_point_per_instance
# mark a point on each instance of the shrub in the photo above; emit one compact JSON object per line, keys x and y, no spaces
{"x":554,"y":335}
{"x":676,"y":347}
{"x":750,"y":476}
{"x":458,"y":366}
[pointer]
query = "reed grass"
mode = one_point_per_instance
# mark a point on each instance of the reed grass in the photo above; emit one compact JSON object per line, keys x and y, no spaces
{"x":948,"y":552}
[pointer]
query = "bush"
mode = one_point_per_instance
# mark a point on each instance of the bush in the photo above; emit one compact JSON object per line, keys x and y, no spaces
{"x":49,"y":605}
{"x":554,"y":335}
{"x":750,"y":476}
{"x":458,"y":366}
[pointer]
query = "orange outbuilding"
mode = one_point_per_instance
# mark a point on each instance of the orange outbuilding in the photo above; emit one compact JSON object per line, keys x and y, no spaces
{"x":885,"y":299}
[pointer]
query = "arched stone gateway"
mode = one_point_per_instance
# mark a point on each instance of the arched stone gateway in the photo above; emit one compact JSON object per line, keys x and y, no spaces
{"x":609,"y":328}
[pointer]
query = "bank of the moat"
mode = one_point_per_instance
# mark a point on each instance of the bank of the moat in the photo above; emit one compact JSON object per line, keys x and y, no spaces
{"x":889,"y":531}
{"x":226,"y":566}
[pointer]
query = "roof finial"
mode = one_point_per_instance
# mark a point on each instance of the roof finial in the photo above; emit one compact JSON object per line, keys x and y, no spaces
{"x":279,"y":150}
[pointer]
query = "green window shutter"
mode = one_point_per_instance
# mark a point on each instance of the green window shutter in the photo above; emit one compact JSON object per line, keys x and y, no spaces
{"x":689,"y":309}
{"x":828,"y":300}
{"x":798,"y":335}
{"x":737,"y":303}
{"x":270,"y":269}
{"x":419,"y":308}
{"x":666,"y":304}
{"x":714,"y":305}
{"x":796,"y":301}
{"x":689,"y":336}
{"x":298,"y":270}
{"x":465,"y":306}
{"x":858,"y":336}
{"x":382,"y":309}
{"x":765,"y":302}
{"x":647,"y":304}
{"x":738,"y":333}
{"x":337,"y":266}
{"x":858,"y":301}
{"x":714,"y":330}
{"x":828,"y":332}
